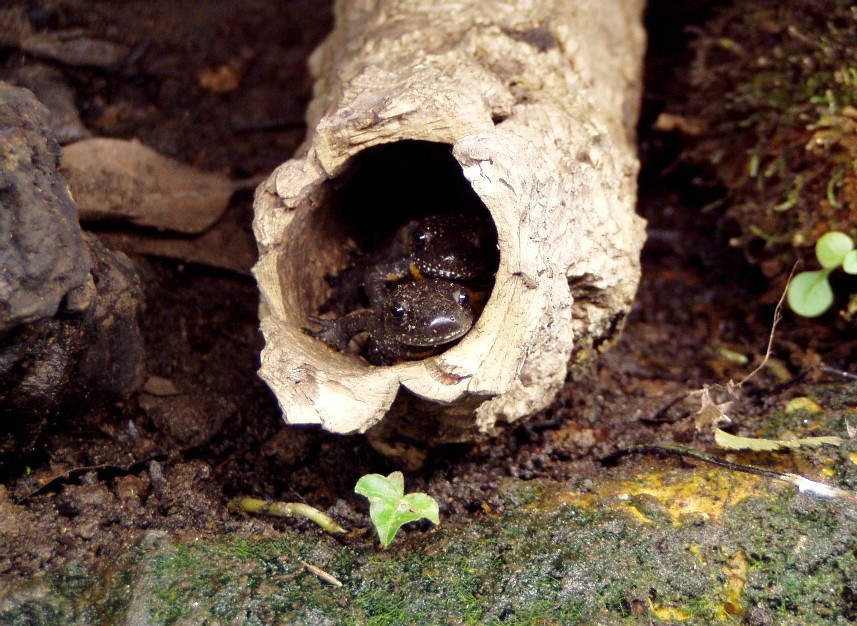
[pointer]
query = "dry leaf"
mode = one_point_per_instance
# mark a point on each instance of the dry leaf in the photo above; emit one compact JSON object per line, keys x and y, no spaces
{"x":123,"y":180}
{"x":75,"y":47}
{"x":229,"y":244}
{"x":224,"y":79}
{"x":227,"y":77}
{"x":712,"y":414}
{"x":687,"y":125}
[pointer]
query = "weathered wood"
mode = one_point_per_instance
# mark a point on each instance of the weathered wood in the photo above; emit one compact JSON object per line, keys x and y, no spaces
{"x":537,"y":101}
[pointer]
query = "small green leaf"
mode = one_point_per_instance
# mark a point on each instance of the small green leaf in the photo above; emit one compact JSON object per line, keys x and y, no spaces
{"x":810,"y":294}
{"x":732,"y":355}
{"x":734,"y":442}
{"x":849,"y":264}
{"x":425,"y":506}
{"x":390,"y":508}
{"x":390,"y":487}
{"x":831,"y":248}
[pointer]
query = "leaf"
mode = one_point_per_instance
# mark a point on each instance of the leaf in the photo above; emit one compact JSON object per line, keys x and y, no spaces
{"x":711,"y":413}
{"x":734,"y":442}
{"x":124,"y":180}
{"x":831,"y":248}
{"x":424,"y":505}
{"x":809,"y":293}
{"x":390,"y":487}
{"x":849,"y":263}
{"x":390,"y":508}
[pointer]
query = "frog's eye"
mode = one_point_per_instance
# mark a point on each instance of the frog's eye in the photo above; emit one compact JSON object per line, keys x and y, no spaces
{"x":398,"y":310}
{"x":461,"y":297}
{"x":421,"y":237}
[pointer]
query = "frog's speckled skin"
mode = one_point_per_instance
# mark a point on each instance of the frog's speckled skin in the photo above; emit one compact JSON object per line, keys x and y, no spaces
{"x":454,"y":246}
{"x":416,"y":288}
{"x":417,"y":319}
{"x":461,"y":247}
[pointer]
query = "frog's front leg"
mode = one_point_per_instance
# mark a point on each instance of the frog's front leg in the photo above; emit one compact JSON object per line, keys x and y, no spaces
{"x":339,"y":332}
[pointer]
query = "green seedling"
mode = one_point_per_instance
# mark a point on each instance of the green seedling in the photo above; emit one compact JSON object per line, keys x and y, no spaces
{"x":390,"y":508}
{"x":809,"y":293}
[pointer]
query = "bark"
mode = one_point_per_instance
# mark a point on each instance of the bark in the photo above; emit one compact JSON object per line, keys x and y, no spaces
{"x":537,"y":103}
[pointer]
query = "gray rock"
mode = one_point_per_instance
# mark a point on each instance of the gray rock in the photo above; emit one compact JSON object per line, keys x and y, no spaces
{"x":69,"y":307}
{"x":50,"y":87}
{"x":42,"y":255}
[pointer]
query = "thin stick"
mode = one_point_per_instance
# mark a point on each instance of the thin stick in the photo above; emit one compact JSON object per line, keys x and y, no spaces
{"x":287,"y":509}
{"x":830,"y":370}
{"x":778,"y":315}
{"x":328,"y":578}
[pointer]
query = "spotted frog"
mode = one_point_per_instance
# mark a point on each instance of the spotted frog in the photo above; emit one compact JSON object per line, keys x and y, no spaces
{"x":460,"y":247}
{"x":415,"y":320}
{"x":419,"y":289}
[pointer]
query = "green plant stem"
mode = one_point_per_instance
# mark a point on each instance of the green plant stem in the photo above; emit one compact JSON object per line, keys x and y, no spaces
{"x":287,"y":509}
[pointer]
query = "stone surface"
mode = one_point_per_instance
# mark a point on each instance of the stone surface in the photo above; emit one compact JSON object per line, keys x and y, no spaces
{"x":689,"y":546}
{"x":68,"y":306}
{"x":50,"y":87}
{"x":43,"y":257}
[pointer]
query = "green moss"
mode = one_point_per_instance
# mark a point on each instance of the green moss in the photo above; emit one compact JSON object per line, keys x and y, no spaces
{"x":567,"y":557}
{"x":801,"y":557}
{"x":774,"y":85}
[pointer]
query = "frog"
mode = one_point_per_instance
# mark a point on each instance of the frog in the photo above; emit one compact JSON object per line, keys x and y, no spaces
{"x":454,"y":246}
{"x":415,"y":320}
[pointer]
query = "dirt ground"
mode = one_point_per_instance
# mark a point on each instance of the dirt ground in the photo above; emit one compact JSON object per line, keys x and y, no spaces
{"x":173,"y":463}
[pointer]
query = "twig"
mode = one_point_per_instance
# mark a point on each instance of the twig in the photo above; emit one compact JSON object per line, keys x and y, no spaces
{"x":328,"y":578}
{"x":104,"y":471}
{"x":778,"y":315}
{"x":831,"y":370}
{"x":287,"y":509}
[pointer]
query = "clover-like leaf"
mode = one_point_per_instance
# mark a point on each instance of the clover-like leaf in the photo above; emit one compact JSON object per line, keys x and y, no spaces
{"x":390,"y":508}
{"x":831,"y":248}
{"x":849,"y":264}
{"x":809,"y":293}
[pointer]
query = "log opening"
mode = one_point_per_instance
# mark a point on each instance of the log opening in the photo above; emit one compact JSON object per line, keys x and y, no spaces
{"x":383,"y":190}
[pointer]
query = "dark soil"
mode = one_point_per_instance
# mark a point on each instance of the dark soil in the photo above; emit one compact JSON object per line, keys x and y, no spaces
{"x":174,"y":462}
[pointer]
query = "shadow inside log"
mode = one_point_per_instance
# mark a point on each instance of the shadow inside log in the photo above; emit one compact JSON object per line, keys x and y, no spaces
{"x":385,"y":186}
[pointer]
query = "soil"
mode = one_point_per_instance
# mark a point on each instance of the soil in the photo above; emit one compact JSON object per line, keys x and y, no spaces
{"x":173,"y":462}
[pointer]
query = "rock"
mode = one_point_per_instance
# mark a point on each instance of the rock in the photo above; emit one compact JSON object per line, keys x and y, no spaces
{"x":45,"y":259}
{"x":52,"y":90}
{"x":190,"y":420}
{"x":111,"y":365}
{"x":68,"y":306}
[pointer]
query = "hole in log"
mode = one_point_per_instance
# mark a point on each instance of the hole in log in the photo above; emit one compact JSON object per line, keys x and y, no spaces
{"x":410,"y":246}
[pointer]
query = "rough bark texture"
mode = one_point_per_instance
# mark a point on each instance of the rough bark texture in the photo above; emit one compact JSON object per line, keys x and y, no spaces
{"x":537,"y":101}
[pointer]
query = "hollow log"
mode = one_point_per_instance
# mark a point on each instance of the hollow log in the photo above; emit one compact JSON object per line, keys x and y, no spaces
{"x":530,"y":108}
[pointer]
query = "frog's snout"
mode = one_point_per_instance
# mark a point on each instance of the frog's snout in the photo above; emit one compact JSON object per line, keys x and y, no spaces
{"x":452,"y":326}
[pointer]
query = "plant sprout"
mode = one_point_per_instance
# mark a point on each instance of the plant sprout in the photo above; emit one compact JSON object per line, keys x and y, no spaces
{"x":390,"y":508}
{"x":809,"y":293}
